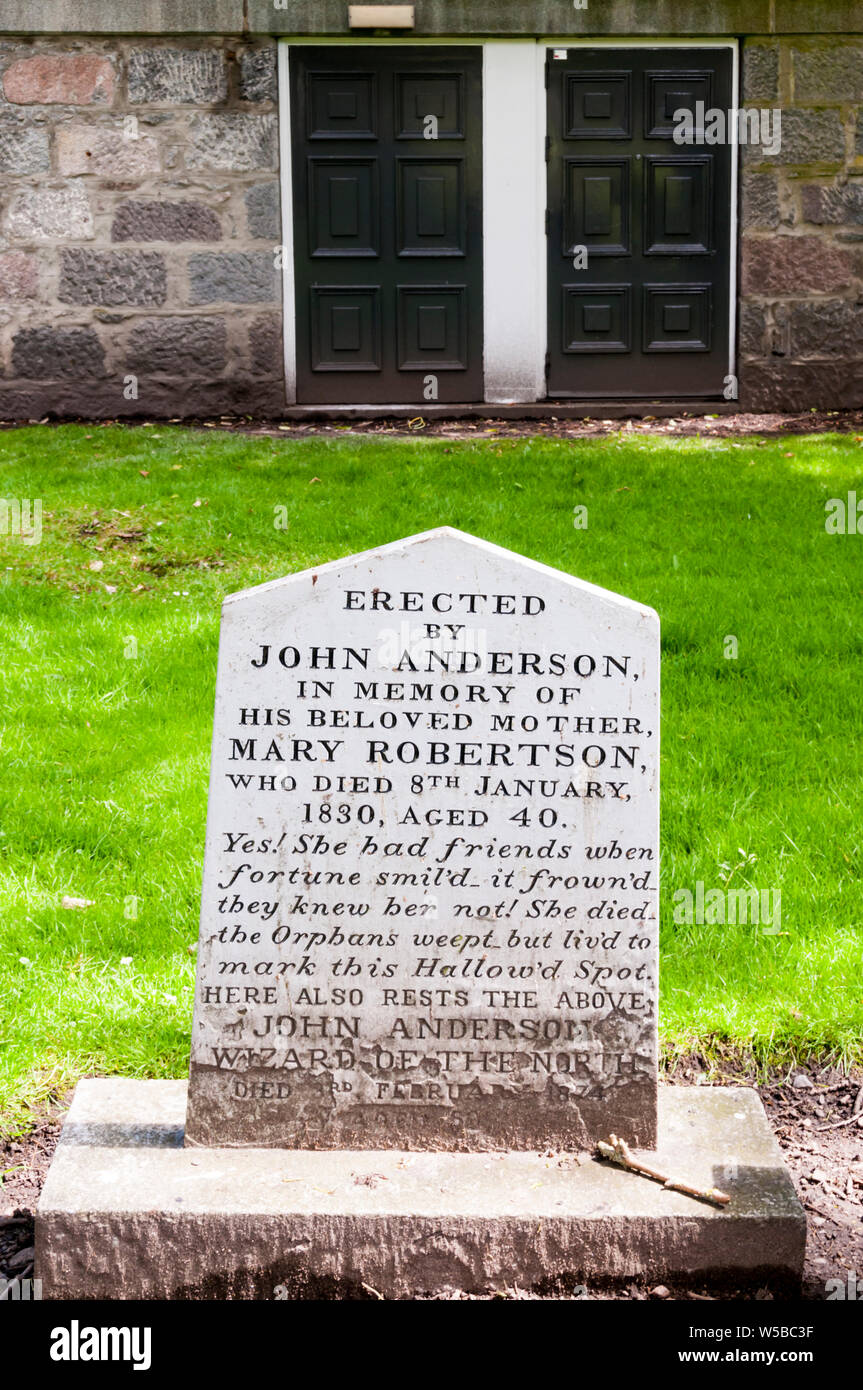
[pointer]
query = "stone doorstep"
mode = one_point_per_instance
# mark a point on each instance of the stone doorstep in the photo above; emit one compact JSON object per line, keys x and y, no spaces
{"x":540,"y":410}
{"x":128,"y":1212}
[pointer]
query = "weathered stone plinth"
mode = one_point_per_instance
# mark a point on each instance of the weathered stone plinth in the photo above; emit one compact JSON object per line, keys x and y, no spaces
{"x":129,"y":1212}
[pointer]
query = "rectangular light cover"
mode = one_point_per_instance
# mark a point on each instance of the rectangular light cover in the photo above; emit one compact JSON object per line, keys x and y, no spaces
{"x":381,"y":16}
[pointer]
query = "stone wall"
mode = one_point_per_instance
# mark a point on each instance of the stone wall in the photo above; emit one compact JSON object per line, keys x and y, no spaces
{"x":801,"y":309}
{"x":139,"y":209}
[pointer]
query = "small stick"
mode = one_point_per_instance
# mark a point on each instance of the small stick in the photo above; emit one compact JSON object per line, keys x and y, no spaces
{"x":837,"y":1124}
{"x":618,"y":1151}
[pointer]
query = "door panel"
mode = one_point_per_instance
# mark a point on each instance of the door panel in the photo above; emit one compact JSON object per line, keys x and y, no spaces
{"x":431,"y":207}
{"x":344,"y":207}
{"x":677,"y":318}
{"x":387,"y":183}
{"x":597,"y":318}
{"x":678,"y":206}
{"x":648,"y":314}
{"x":598,"y":105}
{"x":341,"y":106}
{"x":596,"y":214}
{"x":346,"y":329}
{"x":432,"y":325}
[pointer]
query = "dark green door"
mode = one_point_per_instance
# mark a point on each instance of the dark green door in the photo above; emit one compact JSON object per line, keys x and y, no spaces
{"x":387,"y":175}
{"x":647,"y":316}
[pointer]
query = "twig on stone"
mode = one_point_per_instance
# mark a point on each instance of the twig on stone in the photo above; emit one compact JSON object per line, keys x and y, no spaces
{"x":368,"y":1288}
{"x":618,"y":1151}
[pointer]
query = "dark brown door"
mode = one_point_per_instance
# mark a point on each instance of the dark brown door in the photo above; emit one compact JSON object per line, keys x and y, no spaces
{"x":387,"y":174}
{"x":647,"y":316}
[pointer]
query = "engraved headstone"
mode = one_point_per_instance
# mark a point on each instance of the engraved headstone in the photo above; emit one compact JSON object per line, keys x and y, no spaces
{"x":429,"y":908}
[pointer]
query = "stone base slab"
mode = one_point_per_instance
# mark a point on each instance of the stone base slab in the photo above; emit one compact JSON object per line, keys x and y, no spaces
{"x":128,"y":1212}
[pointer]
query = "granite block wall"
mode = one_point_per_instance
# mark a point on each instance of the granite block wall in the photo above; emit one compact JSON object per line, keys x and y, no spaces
{"x":139,"y":211}
{"x":801,"y":302}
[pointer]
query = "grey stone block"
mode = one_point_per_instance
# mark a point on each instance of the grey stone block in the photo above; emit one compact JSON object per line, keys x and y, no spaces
{"x":753,"y":331}
{"x":50,"y":214}
{"x":808,"y":137}
{"x":165,"y":222}
{"x":831,"y":72}
{"x":796,"y":386}
{"x":177,"y":76}
{"x":17,"y":404}
{"x":87,"y":149}
{"x":112,"y":277}
{"x":159,"y":398}
{"x":760,"y":200}
{"x":23,"y":149}
{"x":258,"y":77}
{"x":234,"y":277}
{"x":264,"y":211}
{"x":834,"y":207}
{"x":49,"y":353}
{"x":779,"y":331}
{"x":760,"y":71}
{"x":827,"y":328}
{"x":238,"y":143}
{"x":265,"y":345}
{"x":193,"y":347}
{"x":128,"y":1212}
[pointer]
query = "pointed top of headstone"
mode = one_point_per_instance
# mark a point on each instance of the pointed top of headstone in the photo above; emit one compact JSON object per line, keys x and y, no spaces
{"x":452,"y":538}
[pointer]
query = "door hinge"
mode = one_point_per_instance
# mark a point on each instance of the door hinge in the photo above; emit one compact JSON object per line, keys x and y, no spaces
{"x":547,"y":366}
{"x":547,"y":221}
{"x":547,"y":147}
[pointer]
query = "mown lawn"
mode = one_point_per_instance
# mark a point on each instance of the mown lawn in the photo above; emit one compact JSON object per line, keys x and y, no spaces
{"x":107,"y":680}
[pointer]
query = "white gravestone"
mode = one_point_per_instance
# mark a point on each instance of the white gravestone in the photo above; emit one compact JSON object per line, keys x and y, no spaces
{"x":429,"y":910}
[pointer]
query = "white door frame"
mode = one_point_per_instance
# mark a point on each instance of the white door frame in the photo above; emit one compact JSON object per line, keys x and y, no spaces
{"x":515,"y":253}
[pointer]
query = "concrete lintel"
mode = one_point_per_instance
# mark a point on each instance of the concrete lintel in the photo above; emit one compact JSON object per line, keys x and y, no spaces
{"x":450,"y":18}
{"x":818,"y":17}
{"x":158,"y":17}
{"x":128,"y":1212}
{"x":665,"y":18}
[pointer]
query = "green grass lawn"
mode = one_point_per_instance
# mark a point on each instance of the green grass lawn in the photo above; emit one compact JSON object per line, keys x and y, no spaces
{"x":103,"y":778}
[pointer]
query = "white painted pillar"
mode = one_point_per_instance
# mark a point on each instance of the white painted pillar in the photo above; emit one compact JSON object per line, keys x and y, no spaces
{"x":289,"y":318}
{"x":514,"y":222}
